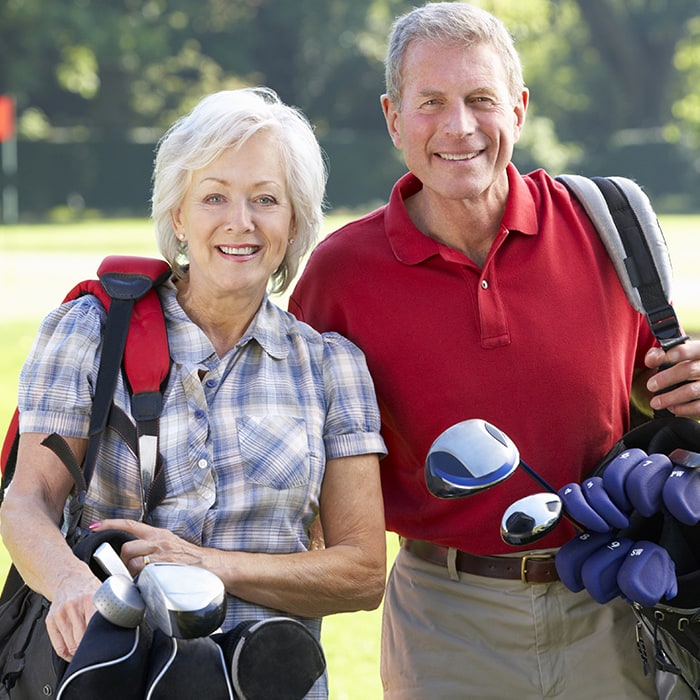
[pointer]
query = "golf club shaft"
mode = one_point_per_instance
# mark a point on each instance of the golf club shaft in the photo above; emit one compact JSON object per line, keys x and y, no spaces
{"x":534,"y":475}
{"x":548,"y":487}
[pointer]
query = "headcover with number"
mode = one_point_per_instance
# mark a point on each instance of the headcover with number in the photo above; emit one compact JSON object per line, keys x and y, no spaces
{"x":654,"y":560}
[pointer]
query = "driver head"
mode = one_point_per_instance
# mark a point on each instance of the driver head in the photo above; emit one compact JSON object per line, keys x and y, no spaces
{"x":182,"y":601}
{"x":469,"y":457}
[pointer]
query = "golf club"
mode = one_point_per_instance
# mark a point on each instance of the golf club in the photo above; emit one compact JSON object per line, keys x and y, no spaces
{"x":110,"y":562}
{"x":470,"y":457}
{"x":685,"y":458}
{"x":183,"y":601}
{"x":530,"y":518}
{"x":118,"y":600}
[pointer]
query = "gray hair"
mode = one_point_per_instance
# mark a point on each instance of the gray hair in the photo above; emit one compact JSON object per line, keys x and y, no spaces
{"x":227,"y":119}
{"x":455,"y":24}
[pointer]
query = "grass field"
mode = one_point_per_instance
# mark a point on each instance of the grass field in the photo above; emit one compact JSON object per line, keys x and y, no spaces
{"x":38,"y":264}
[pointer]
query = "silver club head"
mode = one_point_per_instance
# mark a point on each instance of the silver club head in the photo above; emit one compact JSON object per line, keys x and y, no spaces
{"x":181,"y":600}
{"x":118,"y":600}
{"x":469,"y":457}
{"x":530,"y":518}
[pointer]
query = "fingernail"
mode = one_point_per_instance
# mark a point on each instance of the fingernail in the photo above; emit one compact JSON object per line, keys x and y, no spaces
{"x":95,"y":525}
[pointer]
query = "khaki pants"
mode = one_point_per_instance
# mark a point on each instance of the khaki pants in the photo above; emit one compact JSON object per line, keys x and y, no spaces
{"x":491,"y":639}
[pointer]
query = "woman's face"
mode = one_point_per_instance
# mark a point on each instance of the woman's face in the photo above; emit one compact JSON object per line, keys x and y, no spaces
{"x":237,"y":220}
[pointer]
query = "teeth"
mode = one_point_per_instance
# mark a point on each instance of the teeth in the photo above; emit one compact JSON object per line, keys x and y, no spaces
{"x":248,"y":250}
{"x":458,"y":156}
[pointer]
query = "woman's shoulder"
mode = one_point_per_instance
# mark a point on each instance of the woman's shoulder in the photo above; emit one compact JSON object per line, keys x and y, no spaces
{"x":329,"y":341}
{"x":83,"y":316}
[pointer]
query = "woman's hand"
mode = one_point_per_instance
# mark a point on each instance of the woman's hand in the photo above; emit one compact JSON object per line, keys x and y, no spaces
{"x":152,"y":544}
{"x":70,"y":612}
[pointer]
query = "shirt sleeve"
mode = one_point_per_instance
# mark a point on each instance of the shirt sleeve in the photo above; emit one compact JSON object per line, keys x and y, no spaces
{"x":56,"y":384}
{"x":352,"y":421}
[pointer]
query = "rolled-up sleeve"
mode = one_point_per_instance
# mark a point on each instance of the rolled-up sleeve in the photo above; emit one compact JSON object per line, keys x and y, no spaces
{"x":352,"y":421}
{"x":56,"y":384}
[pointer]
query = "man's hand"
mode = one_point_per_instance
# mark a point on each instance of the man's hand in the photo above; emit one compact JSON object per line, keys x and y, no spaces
{"x":677,"y":387}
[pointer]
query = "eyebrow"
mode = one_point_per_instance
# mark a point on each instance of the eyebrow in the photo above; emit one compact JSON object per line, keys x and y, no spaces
{"x":222,"y":181}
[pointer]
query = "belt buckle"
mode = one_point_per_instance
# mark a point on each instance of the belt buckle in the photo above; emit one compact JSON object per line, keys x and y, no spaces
{"x":524,"y":561}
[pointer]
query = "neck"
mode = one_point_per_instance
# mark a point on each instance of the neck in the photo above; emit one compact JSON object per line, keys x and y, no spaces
{"x":468,"y":225}
{"x":223,"y":321}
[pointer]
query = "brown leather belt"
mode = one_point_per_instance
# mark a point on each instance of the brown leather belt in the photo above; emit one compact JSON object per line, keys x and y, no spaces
{"x":529,"y":568}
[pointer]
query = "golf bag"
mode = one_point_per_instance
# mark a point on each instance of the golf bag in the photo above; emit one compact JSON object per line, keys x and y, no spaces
{"x":272,"y":658}
{"x":29,"y":667}
{"x":654,"y":561}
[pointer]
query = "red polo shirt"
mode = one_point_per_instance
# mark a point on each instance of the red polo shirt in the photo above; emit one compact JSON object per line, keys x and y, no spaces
{"x":541,"y":342}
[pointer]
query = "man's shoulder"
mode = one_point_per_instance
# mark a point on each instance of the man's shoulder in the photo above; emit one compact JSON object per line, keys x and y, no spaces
{"x":365,"y":226}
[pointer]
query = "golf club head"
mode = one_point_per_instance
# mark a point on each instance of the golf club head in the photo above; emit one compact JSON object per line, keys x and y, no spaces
{"x":530,"y":518}
{"x":110,"y":562}
{"x":685,"y":458}
{"x":182,"y":601}
{"x":118,"y":600}
{"x":469,"y":457}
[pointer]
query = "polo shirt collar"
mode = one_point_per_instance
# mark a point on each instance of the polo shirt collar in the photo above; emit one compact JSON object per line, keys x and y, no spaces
{"x":411,"y":246}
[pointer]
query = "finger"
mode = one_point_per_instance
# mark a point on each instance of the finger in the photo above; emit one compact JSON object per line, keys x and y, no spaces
{"x":655,"y":357}
{"x":136,"y":554}
{"x":133,"y":527}
{"x":60,"y":644}
{"x":66,"y":625}
{"x":688,"y":351}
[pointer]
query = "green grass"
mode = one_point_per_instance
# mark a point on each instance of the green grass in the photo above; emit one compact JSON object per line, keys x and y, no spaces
{"x":351,"y":641}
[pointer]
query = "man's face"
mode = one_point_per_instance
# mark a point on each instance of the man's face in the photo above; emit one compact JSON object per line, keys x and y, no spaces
{"x":458,"y":122}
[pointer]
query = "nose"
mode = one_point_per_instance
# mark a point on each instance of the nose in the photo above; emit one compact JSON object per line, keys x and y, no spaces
{"x":460,"y":120}
{"x":240,"y":218}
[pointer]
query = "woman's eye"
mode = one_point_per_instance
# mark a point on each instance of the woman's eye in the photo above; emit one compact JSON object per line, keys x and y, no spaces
{"x":214,"y":199}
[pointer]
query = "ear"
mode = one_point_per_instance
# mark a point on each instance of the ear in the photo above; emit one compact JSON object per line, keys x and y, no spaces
{"x":520,"y":111}
{"x":176,"y":219}
{"x":391,"y":115}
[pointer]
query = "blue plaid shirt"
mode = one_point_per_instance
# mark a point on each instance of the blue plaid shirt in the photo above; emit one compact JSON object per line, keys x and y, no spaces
{"x":244,"y":438}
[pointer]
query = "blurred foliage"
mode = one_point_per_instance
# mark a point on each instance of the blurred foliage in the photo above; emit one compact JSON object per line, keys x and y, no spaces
{"x":605,"y":75}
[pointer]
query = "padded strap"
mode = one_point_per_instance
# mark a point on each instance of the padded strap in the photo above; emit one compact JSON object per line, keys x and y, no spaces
{"x":641,"y":263}
{"x":627,"y":225}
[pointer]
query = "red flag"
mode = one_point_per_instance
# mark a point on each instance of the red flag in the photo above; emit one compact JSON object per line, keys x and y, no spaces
{"x":7,"y":117}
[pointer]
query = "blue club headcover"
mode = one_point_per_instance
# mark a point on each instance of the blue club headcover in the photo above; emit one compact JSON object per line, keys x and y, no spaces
{"x":647,"y":574}
{"x":599,"y":499}
{"x":570,"y":557}
{"x":615,"y":475}
{"x":681,"y":494}
{"x":645,"y":484}
{"x":580,"y":510}
{"x":600,"y":569}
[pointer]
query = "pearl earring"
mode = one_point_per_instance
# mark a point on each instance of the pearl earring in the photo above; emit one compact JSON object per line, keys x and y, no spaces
{"x":182,"y":257}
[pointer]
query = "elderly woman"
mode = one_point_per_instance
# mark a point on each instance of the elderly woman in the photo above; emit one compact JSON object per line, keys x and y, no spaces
{"x":267,"y":425}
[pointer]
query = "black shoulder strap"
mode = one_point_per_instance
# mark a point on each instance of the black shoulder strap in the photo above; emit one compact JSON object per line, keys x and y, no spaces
{"x":627,"y":225}
{"x":640,"y":266}
{"x":124,"y":289}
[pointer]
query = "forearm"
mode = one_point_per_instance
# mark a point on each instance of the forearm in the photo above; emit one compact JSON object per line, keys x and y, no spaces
{"x":37,"y":547}
{"x":308,"y":584}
